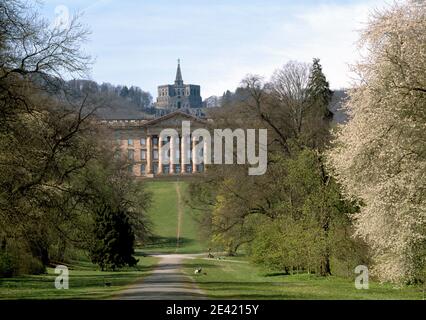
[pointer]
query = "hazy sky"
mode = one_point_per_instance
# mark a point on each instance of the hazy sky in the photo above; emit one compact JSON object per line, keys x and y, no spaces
{"x":218,"y":42}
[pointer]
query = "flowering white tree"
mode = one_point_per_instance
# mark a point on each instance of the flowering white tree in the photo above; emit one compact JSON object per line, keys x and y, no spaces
{"x":379,"y":156}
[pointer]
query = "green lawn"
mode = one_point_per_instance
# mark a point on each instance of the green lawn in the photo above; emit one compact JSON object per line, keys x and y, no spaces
{"x":242,"y":280}
{"x":164,"y":216}
{"x":85,"y":282}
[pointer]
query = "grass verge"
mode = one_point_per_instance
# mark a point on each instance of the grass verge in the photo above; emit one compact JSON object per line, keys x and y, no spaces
{"x":85,"y":282}
{"x":238,"y":279}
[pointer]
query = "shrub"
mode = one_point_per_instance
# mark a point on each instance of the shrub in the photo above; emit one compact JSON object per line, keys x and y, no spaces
{"x":16,"y":259}
{"x":6,"y":265}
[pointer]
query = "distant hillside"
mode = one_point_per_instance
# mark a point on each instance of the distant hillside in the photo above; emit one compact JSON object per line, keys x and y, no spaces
{"x":124,"y":102}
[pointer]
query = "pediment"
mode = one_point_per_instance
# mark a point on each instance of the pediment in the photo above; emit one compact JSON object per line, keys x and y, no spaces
{"x":175,"y":120}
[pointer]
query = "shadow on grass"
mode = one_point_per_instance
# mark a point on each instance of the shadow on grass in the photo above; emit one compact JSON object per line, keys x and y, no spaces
{"x":79,"y":280}
{"x":256,"y":296}
{"x":157,"y":242}
{"x":236,"y":285}
{"x":256,"y":291}
{"x":276,"y":274}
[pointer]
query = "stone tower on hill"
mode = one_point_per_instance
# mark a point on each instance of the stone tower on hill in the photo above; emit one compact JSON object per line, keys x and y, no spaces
{"x":178,"y":95}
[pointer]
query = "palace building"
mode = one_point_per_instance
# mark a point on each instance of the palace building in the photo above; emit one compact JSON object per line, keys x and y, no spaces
{"x":139,"y":141}
{"x":179,"y":95}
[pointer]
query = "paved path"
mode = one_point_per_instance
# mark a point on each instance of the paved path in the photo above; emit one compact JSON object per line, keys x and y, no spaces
{"x":166,"y":282}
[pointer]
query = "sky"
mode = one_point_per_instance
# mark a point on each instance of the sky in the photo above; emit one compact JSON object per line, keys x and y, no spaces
{"x":218,"y":42}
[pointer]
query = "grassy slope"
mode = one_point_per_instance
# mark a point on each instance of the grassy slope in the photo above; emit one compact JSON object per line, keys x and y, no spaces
{"x":241,"y":280}
{"x":85,"y":282}
{"x":164,"y":216}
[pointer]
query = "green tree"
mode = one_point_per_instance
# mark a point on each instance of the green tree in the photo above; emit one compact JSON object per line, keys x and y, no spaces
{"x":124,"y":93}
{"x":50,"y":143}
{"x":296,"y":190}
{"x":319,"y":89}
{"x":113,"y":245}
{"x":310,"y":219}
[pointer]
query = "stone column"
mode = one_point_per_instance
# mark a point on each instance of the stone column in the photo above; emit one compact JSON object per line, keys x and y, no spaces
{"x":148,"y":155}
{"x":194,"y":156}
{"x":172,"y":154}
{"x":160,"y":157}
{"x":183,"y":144}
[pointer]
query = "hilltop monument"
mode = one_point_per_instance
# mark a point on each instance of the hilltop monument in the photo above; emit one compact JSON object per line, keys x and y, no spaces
{"x":179,"y":95}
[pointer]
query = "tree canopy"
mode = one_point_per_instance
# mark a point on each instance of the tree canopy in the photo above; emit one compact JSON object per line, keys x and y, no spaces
{"x":379,"y":156}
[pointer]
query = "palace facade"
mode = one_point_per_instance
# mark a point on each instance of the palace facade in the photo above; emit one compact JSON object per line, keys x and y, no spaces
{"x":139,"y":141}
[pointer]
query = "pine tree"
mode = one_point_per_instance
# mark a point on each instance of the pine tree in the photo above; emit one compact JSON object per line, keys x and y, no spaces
{"x":226,"y":98}
{"x":114,"y":240}
{"x":319,"y":92}
{"x":124,"y":93}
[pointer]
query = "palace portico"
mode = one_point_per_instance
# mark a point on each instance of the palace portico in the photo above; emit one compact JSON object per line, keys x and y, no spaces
{"x":139,"y":141}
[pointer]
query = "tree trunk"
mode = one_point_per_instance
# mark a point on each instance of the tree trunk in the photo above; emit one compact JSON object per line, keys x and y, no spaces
{"x":325,"y":265}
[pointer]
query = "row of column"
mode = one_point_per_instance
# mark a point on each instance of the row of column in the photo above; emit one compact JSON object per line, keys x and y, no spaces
{"x":173,"y":149}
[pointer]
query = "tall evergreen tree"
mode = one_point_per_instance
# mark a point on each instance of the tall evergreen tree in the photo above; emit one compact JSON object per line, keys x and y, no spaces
{"x":319,"y":92}
{"x":114,"y":239}
{"x":226,"y":98}
{"x":124,"y":93}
